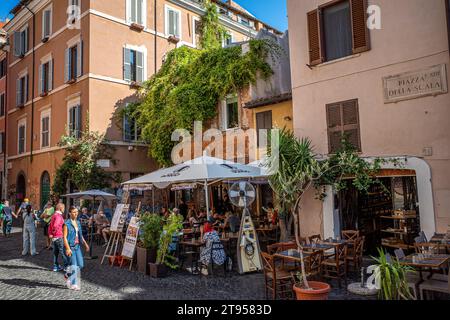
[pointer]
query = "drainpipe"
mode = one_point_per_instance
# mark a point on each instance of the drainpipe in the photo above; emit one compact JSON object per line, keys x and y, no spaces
{"x":156,"y":37}
{"x":32,"y":84}
{"x":5,"y":158}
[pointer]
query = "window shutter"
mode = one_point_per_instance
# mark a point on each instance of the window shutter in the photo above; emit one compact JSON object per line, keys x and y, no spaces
{"x":350,"y":119}
{"x":3,"y":143}
{"x":41,"y":79}
{"x":79,"y":59}
{"x":67,"y":66}
{"x":50,"y":75}
{"x":334,"y":124}
{"x":139,"y":12}
{"x":176,"y":19}
{"x":126,"y":64}
{"x":360,"y":32}
{"x":78,"y":122}
{"x":17,"y":44}
{"x":139,"y":66}
{"x":133,"y":10}
{"x":18,"y":95}
{"x":71,"y":121}
{"x":26,"y":90}
{"x":315,"y":48}
{"x":25,"y":49}
{"x":171,"y":22}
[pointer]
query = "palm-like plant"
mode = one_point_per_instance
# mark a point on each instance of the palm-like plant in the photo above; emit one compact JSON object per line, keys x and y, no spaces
{"x":392,"y":278}
{"x":298,"y":169}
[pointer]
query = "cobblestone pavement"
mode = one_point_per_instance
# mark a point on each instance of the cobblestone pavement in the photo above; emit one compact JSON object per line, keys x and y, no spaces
{"x":30,"y":278}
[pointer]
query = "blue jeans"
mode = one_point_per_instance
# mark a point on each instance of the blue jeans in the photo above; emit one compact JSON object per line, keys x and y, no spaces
{"x":58,"y":249}
{"x":76,"y":264}
{"x":29,"y":239}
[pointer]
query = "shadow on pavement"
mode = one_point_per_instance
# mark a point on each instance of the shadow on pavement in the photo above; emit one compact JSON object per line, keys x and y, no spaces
{"x":30,"y":284}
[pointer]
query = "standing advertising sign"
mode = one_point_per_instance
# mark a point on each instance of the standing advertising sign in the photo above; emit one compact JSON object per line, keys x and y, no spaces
{"x":119,"y":218}
{"x":129,"y":245}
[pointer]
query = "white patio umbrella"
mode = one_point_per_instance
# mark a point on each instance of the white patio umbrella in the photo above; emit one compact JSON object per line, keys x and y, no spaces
{"x":91,"y":195}
{"x":204,"y":169}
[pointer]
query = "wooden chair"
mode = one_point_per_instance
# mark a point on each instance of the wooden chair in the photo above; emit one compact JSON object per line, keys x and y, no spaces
{"x":435,"y":286}
{"x":336,"y":267}
{"x":354,"y":258}
{"x":315,"y":238}
{"x":350,"y":235}
{"x":427,"y":246}
{"x":313,"y":264}
{"x":281,"y":246}
{"x":279,"y":282}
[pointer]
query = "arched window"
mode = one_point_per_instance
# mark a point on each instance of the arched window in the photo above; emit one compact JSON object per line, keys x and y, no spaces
{"x":45,"y":188}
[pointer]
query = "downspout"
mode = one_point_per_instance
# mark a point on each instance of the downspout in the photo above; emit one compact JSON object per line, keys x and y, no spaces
{"x":32,"y":84}
{"x":5,"y":146}
{"x":156,"y":37}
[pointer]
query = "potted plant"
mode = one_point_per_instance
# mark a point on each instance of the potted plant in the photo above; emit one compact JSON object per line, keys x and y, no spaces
{"x":391,"y":279}
{"x":164,"y":257}
{"x":295,"y":169}
{"x":315,"y":290}
{"x":151,"y":228}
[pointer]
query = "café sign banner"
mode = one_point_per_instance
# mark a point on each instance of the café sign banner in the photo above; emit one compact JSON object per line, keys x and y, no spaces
{"x":129,"y":245}
{"x":119,"y":217}
{"x":411,"y":85}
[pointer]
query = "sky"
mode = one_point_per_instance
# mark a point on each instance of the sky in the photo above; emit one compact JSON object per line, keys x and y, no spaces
{"x":272,"y":12}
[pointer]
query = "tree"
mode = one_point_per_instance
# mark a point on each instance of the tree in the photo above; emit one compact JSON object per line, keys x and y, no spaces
{"x":80,"y":163}
{"x":300,"y":169}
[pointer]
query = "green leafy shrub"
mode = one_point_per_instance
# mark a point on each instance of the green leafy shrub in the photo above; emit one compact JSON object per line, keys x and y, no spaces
{"x":152,"y":227}
{"x":171,"y":228}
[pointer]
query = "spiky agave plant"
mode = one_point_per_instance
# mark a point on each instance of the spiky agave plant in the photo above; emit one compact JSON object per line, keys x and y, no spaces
{"x":392,"y":278}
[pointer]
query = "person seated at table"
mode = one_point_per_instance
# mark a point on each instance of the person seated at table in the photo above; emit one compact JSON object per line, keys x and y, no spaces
{"x":191,"y":217}
{"x":86,"y":220}
{"x":209,"y":236}
{"x":101,"y":222}
{"x":202,"y":216}
{"x":232,"y":221}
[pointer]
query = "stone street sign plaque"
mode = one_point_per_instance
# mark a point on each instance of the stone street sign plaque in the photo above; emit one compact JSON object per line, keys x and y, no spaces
{"x":411,"y":85}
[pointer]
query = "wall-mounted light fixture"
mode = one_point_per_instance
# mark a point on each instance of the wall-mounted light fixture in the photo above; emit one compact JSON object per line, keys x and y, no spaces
{"x":287,"y":118}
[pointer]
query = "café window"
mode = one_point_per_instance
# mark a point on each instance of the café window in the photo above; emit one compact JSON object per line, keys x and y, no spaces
{"x":263,"y":122}
{"x":337,"y":30}
{"x":133,"y":65}
{"x":231,"y":113}
{"x":343,"y":124}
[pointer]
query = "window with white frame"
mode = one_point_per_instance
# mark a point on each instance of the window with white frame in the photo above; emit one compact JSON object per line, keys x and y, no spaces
{"x":227,"y":39}
{"x":21,"y":42}
{"x":2,"y":104}
{"x":173,"y":22}
{"x":136,"y":11}
{"x":196,"y":32}
{"x":22,"y":90}
{"x":21,"y":135}
{"x":244,"y":21}
{"x":74,"y":62}
{"x":46,"y":77}
{"x":45,"y":129}
{"x":230,"y":113}
{"x":131,"y":131}
{"x":47,"y":17}
{"x":134,"y":64}
{"x":74,"y":121}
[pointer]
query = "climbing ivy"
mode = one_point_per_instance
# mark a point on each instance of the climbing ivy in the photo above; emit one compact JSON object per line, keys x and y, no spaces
{"x":191,"y":82}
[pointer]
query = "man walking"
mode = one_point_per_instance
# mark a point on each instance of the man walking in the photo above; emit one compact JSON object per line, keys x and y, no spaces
{"x":55,"y":233}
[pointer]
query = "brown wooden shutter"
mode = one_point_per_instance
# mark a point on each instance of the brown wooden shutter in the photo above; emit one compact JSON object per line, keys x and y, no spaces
{"x":334,"y":124}
{"x":360,"y":32}
{"x":350,"y":120}
{"x":315,"y":48}
{"x":343,"y":121}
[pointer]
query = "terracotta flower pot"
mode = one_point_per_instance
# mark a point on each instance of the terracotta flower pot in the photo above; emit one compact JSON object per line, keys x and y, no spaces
{"x":317,"y":291}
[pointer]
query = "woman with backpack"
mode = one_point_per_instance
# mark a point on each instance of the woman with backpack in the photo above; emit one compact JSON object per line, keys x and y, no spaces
{"x":29,"y":231}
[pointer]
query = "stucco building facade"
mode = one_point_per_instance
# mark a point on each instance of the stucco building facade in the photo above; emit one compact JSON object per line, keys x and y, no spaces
{"x":385,"y":87}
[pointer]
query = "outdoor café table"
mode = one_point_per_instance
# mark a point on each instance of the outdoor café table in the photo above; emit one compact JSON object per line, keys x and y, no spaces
{"x":318,"y":246}
{"x":266,"y":231}
{"x":435,"y":261}
{"x":291,"y":255}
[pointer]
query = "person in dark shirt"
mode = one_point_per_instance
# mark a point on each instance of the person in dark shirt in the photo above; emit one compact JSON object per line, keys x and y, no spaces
{"x":183,"y":209}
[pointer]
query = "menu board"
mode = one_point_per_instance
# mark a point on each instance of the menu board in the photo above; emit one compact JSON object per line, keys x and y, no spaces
{"x":119,"y":217}
{"x":129,"y":244}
